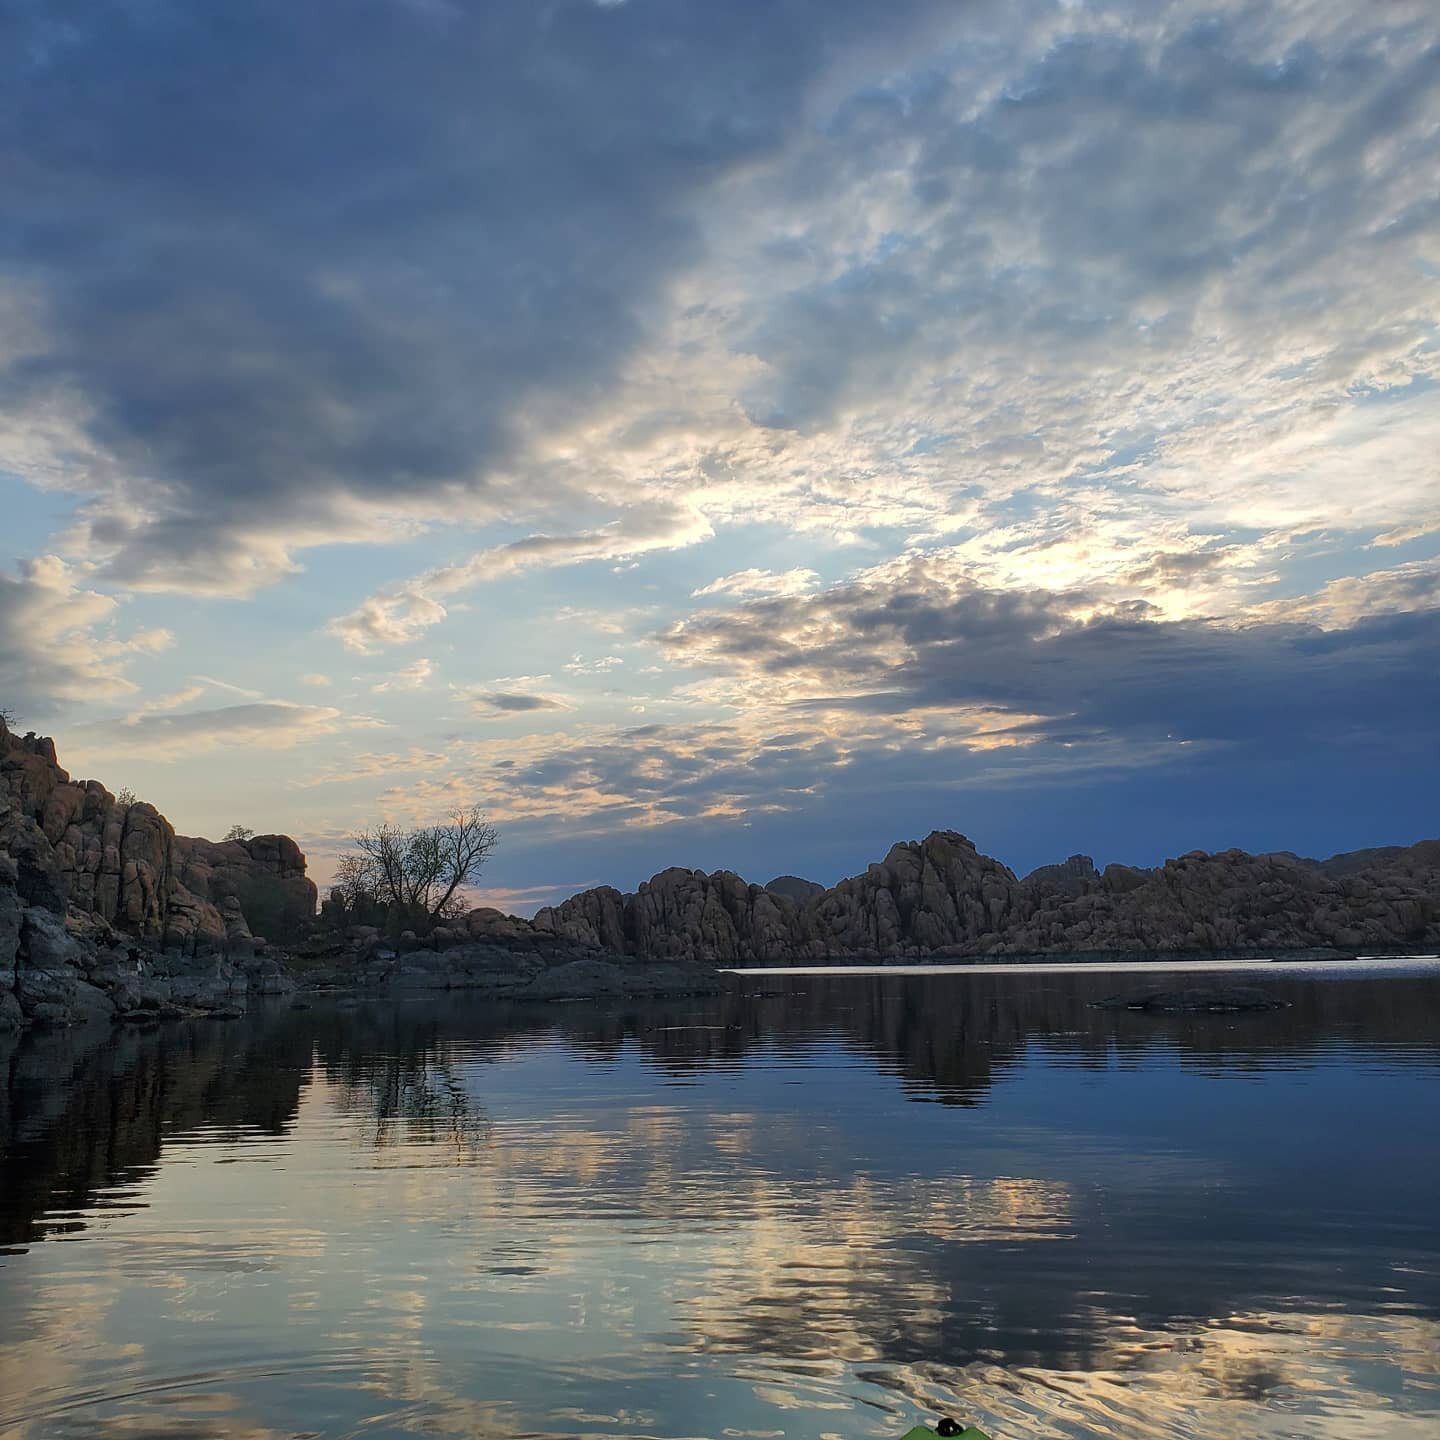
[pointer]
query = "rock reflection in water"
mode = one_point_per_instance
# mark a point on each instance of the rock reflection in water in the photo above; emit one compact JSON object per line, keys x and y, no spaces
{"x":731,"y":1215}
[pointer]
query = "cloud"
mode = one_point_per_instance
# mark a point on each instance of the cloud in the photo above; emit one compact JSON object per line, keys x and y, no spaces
{"x":1117,"y":260}
{"x":265,"y":725}
{"x":149,"y":642}
{"x":377,"y":764}
{"x":622,"y":777}
{"x":176,"y":699}
{"x":232,"y":689}
{"x":910,"y":698}
{"x":1156,"y":259}
{"x":908,"y":640}
{"x":525,"y":899}
{"x":491,"y":704}
{"x":1344,"y":602}
{"x":1101,"y":340}
{"x":398,"y":616}
{"x":636,"y":532}
{"x":342,"y":307}
{"x":1405,"y":533}
{"x":745,"y":584}
{"x":58,"y":642}
{"x":408,"y":677}
{"x":173,"y":701}
{"x":317,"y":680}
{"x":384,"y":620}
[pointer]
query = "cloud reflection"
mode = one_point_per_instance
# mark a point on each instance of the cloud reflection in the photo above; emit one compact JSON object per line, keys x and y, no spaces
{"x":740,"y":1215}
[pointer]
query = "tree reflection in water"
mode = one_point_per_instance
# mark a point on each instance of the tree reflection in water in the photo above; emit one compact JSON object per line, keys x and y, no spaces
{"x":825,"y":1191}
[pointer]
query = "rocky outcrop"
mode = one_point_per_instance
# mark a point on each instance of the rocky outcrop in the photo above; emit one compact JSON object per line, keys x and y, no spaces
{"x":940,"y":898}
{"x":67,"y":967}
{"x":594,"y":917}
{"x":682,"y":915}
{"x":106,"y":913}
{"x":78,"y":846}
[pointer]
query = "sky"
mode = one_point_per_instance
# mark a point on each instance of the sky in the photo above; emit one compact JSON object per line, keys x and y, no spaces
{"x":730,"y":435}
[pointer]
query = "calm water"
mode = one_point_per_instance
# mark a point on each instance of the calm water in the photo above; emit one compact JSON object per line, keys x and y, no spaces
{"x":823,"y":1211}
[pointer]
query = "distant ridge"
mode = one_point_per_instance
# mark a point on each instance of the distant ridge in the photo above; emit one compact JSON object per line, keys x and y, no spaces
{"x":941,"y":898}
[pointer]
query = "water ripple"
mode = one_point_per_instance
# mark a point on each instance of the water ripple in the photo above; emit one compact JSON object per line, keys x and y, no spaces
{"x":827,"y":1211}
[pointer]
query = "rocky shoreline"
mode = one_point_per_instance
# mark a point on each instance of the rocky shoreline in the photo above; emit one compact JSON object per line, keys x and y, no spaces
{"x":107,"y":914}
{"x":510,"y":963}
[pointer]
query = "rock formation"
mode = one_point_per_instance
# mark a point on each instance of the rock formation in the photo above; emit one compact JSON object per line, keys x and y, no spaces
{"x":682,"y":915}
{"x":940,"y":898}
{"x":105,"y":910}
{"x":795,"y":888}
{"x":79,"y":845}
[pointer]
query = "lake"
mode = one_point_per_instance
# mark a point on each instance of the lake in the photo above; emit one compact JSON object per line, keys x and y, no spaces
{"x":822,"y":1206}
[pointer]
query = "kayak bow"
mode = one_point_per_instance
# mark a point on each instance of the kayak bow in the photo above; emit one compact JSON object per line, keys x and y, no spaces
{"x":946,"y":1429}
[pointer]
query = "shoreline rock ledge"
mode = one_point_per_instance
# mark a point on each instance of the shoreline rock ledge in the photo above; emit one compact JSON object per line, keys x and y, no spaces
{"x":106,"y":914}
{"x":498,"y":955}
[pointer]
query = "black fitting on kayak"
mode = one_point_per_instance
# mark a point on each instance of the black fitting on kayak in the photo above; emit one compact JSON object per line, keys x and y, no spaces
{"x":947,"y":1427}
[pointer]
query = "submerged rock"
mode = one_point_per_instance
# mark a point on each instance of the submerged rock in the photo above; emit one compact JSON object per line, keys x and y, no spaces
{"x":1226,"y":1000}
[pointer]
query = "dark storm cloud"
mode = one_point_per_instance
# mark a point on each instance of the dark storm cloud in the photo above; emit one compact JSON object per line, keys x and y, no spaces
{"x":914,"y":645}
{"x":292,"y":257}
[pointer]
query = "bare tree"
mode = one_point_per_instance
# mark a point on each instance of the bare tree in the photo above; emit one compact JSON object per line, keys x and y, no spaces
{"x":416,"y":875}
{"x":239,"y":832}
{"x":126,"y":796}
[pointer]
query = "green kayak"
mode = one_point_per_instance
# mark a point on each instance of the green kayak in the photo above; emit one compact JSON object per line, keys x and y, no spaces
{"x":945,"y":1430}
